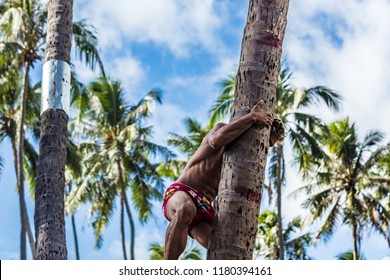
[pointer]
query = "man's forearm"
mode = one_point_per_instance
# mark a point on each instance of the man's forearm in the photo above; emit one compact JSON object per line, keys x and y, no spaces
{"x":231,"y":131}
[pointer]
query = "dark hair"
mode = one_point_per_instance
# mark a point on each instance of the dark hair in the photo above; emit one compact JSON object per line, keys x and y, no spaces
{"x":278,"y":129}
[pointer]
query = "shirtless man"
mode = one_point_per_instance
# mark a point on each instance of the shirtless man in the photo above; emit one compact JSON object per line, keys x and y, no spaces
{"x":187,"y":202}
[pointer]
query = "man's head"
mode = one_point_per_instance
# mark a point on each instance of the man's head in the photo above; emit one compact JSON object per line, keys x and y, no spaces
{"x":278,"y":132}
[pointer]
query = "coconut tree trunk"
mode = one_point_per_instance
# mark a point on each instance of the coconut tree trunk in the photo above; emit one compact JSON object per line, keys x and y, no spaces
{"x":123,"y":228}
{"x":132,"y":228}
{"x":355,"y":242}
{"x":20,"y":175}
{"x":127,"y":207}
{"x":240,"y":189}
{"x":76,"y":242}
{"x":279,"y":152}
{"x":74,"y":230}
{"x":24,"y":221}
{"x":49,"y":197}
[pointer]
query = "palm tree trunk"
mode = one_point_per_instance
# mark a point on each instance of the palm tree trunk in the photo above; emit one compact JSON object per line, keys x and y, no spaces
{"x":76,"y":243}
{"x":74,"y":230}
{"x":131,"y":221}
{"x":240,"y":188}
{"x":132,"y":228}
{"x":123,"y":228}
{"x":279,"y":151}
{"x":355,"y":242}
{"x":23,"y":209}
{"x":49,"y":198}
{"x":20,"y":175}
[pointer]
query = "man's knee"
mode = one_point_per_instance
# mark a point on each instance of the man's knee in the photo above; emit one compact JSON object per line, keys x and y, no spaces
{"x":184,"y":214}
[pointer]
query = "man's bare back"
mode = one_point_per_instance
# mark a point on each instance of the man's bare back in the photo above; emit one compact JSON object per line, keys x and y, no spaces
{"x":202,"y":174}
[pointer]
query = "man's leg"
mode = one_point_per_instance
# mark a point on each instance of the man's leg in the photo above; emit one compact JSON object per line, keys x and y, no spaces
{"x":180,"y":211}
{"x":201,"y":233}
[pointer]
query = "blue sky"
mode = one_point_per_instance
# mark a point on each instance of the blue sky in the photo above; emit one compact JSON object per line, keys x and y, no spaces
{"x":186,"y":47}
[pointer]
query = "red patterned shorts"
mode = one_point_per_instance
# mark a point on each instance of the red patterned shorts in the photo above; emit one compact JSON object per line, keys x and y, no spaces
{"x":205,"y":210}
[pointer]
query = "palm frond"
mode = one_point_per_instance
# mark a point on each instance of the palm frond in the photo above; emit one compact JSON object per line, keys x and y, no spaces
{"x":380,"y":216}
{"x":11,"y":24}
{"x":348,"y":256}
{"x":318,"y":95}
{"x":30,"y":163}
{"x":110,"y":95}
{"x":221,"y":108}
{"x":80,"y":96}
{"x":171,"y":169}
{"x":142,"y":108}
{"x":73,"y":157}
{"x":184,"y":144}
{"x":303,"y":157}
{"x":319,"y":202}
{"x":330,"y":224}
{"x":342,"y":141}
{"x":102,"y":207}
{"x":191,"y":254}
{"x":86,"y":45}
{"x":374,"y":158}
{"x":156,"y":251}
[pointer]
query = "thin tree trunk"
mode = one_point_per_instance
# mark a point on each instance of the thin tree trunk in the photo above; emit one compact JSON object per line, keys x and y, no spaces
{"x":123,"y":228}
{"x":76,"y":243}
{"x":355,"y":242}
{"x":240,"y":189}
{"x":49,"y":198}
{"x":279,"y":151}
{"x":20,"y":175}
{"x":74,"y":230}
{"x":132,"y":228}
{"x":131,"y":221}
{"x":22,"y":203}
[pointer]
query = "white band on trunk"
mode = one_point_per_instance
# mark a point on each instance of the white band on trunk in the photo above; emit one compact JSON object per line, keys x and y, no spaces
{"x":55,"y":86}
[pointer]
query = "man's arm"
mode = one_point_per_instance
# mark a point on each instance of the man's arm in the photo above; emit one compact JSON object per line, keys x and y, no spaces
{"x":227,"y":133}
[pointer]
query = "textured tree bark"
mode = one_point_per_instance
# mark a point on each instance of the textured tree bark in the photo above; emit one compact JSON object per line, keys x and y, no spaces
{"x":59,"y":30}
{"x":49,"y":196}
{"x":240,"y":188}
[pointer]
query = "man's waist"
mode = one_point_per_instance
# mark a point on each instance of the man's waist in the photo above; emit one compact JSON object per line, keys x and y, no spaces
{"x":199,"y":191}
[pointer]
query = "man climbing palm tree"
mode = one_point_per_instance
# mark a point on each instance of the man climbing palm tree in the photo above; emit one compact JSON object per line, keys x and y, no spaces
{"x":187,"y":202}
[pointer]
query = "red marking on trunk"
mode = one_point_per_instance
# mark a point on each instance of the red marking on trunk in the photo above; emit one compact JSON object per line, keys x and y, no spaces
{"x":270,"y":41}
{"x":251,"y":195}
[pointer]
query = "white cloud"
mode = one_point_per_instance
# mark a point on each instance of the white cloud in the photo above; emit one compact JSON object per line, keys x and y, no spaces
{"x":146,"y":236}
{"x":171,"y":23}
{"x":166,"y":119}
{"x":204,"y":87}
{"x":128,"y":70}
{"x":357,"y":66}
{"x":84,"y":73}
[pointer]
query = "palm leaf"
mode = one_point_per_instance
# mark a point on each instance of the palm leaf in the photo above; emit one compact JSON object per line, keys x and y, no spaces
{"x":86,"y":43}
{"x":348,"y":256}
{"x":318,"y":95}
{"x":374,"y":158}
{"x":102,"y":209}
{"x":329,"y":226}
{"x":142,"y":108}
